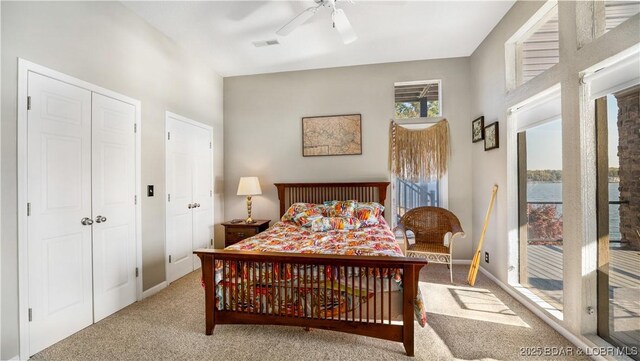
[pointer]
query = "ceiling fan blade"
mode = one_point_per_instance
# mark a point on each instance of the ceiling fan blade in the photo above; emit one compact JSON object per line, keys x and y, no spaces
{"x":297,"y":21}
{"x":343,"y":26}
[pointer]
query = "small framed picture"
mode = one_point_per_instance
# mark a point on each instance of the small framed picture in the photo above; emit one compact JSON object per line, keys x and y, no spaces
{"x":491,"y":137}
{"x":477,"y":130}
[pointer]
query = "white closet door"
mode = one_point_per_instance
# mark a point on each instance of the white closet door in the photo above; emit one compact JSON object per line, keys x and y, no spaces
{"x":114,"y":228}
{"x":202,"y":190}
{"x":179,"y":180}
{"x":59,"y":193}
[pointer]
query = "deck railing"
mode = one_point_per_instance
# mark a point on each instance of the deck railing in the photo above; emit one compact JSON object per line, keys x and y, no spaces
{"x":411,"y":195}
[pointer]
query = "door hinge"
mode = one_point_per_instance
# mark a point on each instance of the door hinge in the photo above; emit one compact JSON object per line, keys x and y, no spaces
{"x":29,"y":102}
{"x":30,"y":315}
{"x":135,"y":199}
{"x":135,"y":127}
{"x":137,"y":272}
{"x":210,"y":193}
{"x":169,"y":258}
{"x":168,"y":135}
{"x":210,"y":145}
{"x":169,"y":197}
{"x":28,"y":209}
{"x":211,"y":242}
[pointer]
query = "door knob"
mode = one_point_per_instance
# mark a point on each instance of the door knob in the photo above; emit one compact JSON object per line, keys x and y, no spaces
{"x":101,"y":219}
{"x":196,"y":205}
{"x":190,"y":206}
{"x":86,"y":221}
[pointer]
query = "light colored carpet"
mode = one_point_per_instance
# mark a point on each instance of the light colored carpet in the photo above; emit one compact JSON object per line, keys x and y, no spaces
{"x":483,"y":322}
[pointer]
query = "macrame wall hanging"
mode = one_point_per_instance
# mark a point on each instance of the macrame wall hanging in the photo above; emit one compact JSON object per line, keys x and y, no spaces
{"x":419,"y":154}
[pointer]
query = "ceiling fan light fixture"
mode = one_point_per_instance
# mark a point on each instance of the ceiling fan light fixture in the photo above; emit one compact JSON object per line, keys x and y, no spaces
{"x":343,"y":26}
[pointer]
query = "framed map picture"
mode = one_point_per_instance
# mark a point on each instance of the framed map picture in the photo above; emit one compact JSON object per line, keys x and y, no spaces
{"x":332,"y":135}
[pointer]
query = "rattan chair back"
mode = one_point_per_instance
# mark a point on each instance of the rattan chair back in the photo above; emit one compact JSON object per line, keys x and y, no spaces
{"x":430,"y":224}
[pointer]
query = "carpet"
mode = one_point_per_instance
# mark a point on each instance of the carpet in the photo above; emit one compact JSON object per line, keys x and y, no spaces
{"x":467,"y":323}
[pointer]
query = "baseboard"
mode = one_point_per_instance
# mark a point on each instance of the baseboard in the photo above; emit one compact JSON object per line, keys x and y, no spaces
{"x":577,"y":341}
{"x":155,"y":289}
{"x":461,"y":261}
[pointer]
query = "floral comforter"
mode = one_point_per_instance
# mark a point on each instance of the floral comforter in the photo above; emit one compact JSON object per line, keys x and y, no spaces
{"x":296,"y":290}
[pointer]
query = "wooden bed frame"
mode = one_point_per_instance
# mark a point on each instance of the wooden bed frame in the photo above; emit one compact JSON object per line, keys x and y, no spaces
{"x":353,"y":267}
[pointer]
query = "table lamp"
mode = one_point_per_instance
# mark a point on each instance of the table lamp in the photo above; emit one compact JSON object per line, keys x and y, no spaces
{"x":249,"y":186}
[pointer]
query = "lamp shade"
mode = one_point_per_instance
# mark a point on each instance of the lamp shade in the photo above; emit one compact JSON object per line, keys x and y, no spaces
{"x":249,"y":186}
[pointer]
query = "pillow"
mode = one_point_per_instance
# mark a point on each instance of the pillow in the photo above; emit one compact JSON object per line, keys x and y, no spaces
{"x":340,"y":208}
{"x":303,"y":213}
{"x":369,"y":213}
{"x":334,"y":223}
{"x":305,"y":218}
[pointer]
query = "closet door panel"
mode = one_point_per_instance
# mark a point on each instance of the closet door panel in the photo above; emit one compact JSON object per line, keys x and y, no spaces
{"x":179,"y":179}
{"x":59,"y":194}
{"x":114,"y":228}
{"x":202,"y":190}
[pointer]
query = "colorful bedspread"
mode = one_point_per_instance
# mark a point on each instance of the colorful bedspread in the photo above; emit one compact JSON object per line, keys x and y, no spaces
{"x":377,"y":240}
{"x":307,"y":290}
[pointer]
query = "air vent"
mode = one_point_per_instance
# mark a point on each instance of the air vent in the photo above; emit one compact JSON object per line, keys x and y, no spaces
{"x":259,"y":44}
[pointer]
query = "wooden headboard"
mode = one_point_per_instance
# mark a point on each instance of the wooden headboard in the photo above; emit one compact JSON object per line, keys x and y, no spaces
{"x":289,"y":193}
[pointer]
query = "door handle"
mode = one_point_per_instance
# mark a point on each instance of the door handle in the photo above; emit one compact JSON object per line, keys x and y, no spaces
{"x":86,"y":221}
{"x":101,"y":219}
{"x":196,"y":205}
{"x":190,"y":206}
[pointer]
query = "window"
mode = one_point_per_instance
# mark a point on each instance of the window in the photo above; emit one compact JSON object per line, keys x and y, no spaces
{"x":534,"y":48}
{"x":618,"y":220}
{"x":407,"y":195}
{"x":415,"y":100}
{"x":614,"y":87}
{"x":418,"y":99}
{"x":541,"y":211}
{"x":538,"y":126}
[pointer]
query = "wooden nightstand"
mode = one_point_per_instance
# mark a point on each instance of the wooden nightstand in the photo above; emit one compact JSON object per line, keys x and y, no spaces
{"x":236,"y":232}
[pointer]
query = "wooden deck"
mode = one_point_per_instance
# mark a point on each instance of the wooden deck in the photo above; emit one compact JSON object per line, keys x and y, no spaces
{"x":545,"y":280}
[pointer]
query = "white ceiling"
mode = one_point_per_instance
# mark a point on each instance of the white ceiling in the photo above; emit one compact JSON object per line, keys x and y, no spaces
{"x":222,"y":32}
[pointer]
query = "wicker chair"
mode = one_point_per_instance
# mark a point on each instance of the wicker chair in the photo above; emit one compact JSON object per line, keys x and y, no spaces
{"x":430,"y":225}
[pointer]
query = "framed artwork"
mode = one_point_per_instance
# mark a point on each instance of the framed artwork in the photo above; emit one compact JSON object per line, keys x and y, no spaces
{"x":491,"y":137}
{"x":477,"y":130}
{"x":332,"y":135}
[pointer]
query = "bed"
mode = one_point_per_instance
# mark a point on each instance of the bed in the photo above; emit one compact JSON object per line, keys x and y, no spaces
{"x":354,"y":282}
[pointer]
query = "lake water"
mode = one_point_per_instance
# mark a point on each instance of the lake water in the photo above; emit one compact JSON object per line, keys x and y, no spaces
{"x":552,"y":192}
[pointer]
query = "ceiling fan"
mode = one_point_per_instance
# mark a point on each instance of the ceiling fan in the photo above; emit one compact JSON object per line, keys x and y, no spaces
{"x":340,"y":21}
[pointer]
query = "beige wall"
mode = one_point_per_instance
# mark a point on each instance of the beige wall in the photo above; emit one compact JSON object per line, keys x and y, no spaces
{"x":490,"y":98}
{"x":103,"y":43}
{"x":263,"y":129}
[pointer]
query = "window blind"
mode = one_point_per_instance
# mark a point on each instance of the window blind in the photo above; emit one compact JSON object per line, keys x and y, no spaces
{"x":538,"y":110}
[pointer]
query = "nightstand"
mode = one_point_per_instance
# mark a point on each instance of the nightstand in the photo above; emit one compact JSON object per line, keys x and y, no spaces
{"x":236,"y":232}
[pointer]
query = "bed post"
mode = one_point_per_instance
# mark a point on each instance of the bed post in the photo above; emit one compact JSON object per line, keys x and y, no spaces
{"x":209,"y":293}
{"x":281,"y":197}
{"x":410,"y":284}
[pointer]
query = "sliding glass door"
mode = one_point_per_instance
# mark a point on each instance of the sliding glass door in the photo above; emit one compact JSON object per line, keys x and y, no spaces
{"x":618,"y":202}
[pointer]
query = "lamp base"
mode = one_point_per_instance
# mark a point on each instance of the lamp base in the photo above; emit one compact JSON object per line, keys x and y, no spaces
{"x":249,"y":219}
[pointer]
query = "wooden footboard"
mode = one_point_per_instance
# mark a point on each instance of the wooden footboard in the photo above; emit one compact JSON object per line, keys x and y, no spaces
{"x":318,"y":279}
